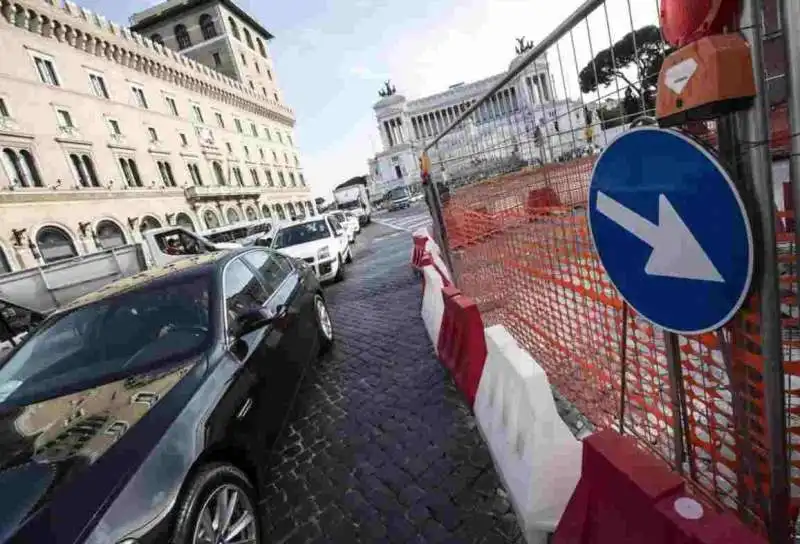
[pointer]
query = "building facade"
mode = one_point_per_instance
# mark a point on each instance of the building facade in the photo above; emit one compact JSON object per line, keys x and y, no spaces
{"x":500,"y":128}
{"x":105,"y":133}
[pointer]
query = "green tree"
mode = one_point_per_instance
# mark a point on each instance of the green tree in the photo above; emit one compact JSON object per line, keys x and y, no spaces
{"x":646,"y":57}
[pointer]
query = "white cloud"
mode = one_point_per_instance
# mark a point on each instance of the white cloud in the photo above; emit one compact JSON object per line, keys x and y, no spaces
{"x":363,"y":72}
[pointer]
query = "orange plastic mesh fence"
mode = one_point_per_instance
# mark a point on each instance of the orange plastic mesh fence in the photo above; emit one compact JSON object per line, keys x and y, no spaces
{"x":521,"y":248}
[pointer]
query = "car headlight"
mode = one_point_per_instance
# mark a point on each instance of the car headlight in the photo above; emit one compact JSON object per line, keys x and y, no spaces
{"x":323,"y":253}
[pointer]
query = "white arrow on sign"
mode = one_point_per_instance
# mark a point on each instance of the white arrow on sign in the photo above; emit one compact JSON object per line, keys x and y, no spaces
{"x":676,"y":252}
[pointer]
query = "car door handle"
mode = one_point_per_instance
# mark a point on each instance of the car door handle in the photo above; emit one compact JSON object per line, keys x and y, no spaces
{"x":281,"y":311}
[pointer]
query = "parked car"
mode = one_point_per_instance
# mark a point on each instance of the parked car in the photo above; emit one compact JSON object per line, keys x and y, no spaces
{"x":144,"y":410}
{"x":398,"y":199}
{"x":350,"y":226}
{"x":319,"y":241}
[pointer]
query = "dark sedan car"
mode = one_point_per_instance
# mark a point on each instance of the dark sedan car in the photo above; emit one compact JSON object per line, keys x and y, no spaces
{"x":140,"y":413}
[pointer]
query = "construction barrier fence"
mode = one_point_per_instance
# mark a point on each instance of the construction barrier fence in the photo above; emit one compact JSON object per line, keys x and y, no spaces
{"x":518,"y":163}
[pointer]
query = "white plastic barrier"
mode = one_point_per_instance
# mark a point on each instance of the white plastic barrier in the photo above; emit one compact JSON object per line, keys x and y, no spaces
{"x":433,"y":248}
{"x":432,"y":303}
{"x":535,"y":453}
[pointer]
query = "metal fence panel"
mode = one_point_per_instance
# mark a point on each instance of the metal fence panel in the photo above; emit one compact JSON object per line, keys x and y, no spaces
{"x":518,"y":163}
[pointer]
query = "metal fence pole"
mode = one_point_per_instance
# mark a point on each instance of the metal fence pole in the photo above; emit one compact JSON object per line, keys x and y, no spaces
{"x":758,"y":163}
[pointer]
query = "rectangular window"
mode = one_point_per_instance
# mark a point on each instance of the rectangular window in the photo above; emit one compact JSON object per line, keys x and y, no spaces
{"x":270,"y":180}
{"x":296,"y":161}
{"x":246,"y":152}
{"x":99,"y":86}
{"x":280,"y":138}
{"x":289,"y":139}
{"x":153,"y":134}
{"x":138,"y":95}
{"x":302,"y":180}
{"x":238,"y":124}
{"x":198,"y":113}
{"x":113,"y":125}
{"x":261,"y":153}
{"x":64,"y":119}
{"x":274,"y":157}
{"x":268,"y":134}
{"x":244,"y":59}
{"x":4,"y":113}
{"x":220,"y":120}
{"x":217,"y":60}
{"x":229,"y":146}
{"x":253,"y":130}
{"x":184,"y":140}
{"x":281,"y":179}
{"x":173,"y":107}
{"x":254,"y":175}
{"x":47,"y":71}
{"x":269,"y":74}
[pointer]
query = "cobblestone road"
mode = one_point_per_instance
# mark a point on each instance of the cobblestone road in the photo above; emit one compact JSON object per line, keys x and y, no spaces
{"x":381,"y":447}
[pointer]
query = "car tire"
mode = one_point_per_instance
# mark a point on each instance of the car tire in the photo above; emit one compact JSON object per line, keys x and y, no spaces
{"x":326,"y":333}
{"x":349,"y":258}
{"x":201,"y":493}
{"x":340,"y":272}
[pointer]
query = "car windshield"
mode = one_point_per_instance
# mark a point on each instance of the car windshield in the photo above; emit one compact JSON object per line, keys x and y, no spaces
{"x":352,"y":205}
{"x":398,"y":193}
{"x":301,"y":234}
{"x":155,"y":324}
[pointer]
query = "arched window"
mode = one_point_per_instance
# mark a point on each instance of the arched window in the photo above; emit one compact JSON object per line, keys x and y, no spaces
{"x":265,"y":211}
{"x":310,"y":207}
{"x":248,"y":38}
{"x":84,"y":170}
{"x":109,"y":234}
{"x":290,"y":210}
{"x":237,"y":174}
{"x":252,"y":214}
{"x":55,"y":244}
{"x":149,"y":222}
{"x":301,"y":210}
{"x":232,"y":216}
{"x":207,"y":26}
{"x":131,"y":172}
{"x":218,"y":173}
{"x":183,"y":220}
{"x":182,"y":37}
{"x":20,"y":168}
{"x":261,"y":48}
{"x":279,"y":211}
{"x":88,"y":165}
{"x":234,"y":28}
{"x":157,"y":39}
{"x":5,"y":266}
{"x":211,"y":219}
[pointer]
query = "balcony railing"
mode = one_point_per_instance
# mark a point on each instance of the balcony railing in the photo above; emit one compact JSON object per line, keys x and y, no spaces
{"x":197,"y":193}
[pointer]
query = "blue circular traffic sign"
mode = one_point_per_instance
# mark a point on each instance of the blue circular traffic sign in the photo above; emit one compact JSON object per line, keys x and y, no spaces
{"x":671,"y":230}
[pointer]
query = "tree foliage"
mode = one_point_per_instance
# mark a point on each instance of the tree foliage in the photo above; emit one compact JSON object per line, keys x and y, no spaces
{"x":636,"y":65}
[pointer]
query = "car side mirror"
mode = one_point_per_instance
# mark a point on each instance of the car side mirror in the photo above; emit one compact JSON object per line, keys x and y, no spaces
{"x":252,"y":320}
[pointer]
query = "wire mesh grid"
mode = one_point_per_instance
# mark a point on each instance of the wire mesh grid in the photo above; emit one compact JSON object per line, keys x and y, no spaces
{"x":518,"y":169}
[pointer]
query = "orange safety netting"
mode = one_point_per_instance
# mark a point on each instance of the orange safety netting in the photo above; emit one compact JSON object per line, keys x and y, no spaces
{"x":521,"y":248}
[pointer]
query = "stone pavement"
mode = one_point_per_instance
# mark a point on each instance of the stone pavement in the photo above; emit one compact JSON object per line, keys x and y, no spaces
{"x":381,"y":447}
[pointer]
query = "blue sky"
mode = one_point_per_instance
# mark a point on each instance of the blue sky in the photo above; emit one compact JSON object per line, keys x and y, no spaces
{"x":332,"y":56}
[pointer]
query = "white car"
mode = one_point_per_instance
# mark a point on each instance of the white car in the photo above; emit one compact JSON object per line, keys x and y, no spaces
{"x":319,"y":241}
{"x":349,"y":226}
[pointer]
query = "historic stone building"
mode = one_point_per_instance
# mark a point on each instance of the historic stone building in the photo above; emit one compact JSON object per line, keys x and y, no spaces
{"x":106,"y":131}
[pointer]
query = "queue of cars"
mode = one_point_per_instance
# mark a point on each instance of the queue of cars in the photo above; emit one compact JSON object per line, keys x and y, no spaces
{"x":141,"y":412}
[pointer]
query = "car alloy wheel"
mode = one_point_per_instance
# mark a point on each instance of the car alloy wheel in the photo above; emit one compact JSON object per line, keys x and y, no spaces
{"x":324,"y":324}
{"x":226,"y":516}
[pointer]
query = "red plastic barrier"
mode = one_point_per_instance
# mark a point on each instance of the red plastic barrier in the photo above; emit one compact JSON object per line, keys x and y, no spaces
{"x":626,"y":496}
{"x":418,"y":252}
{"x":447,"y":332}
{"x":462,"y":344}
